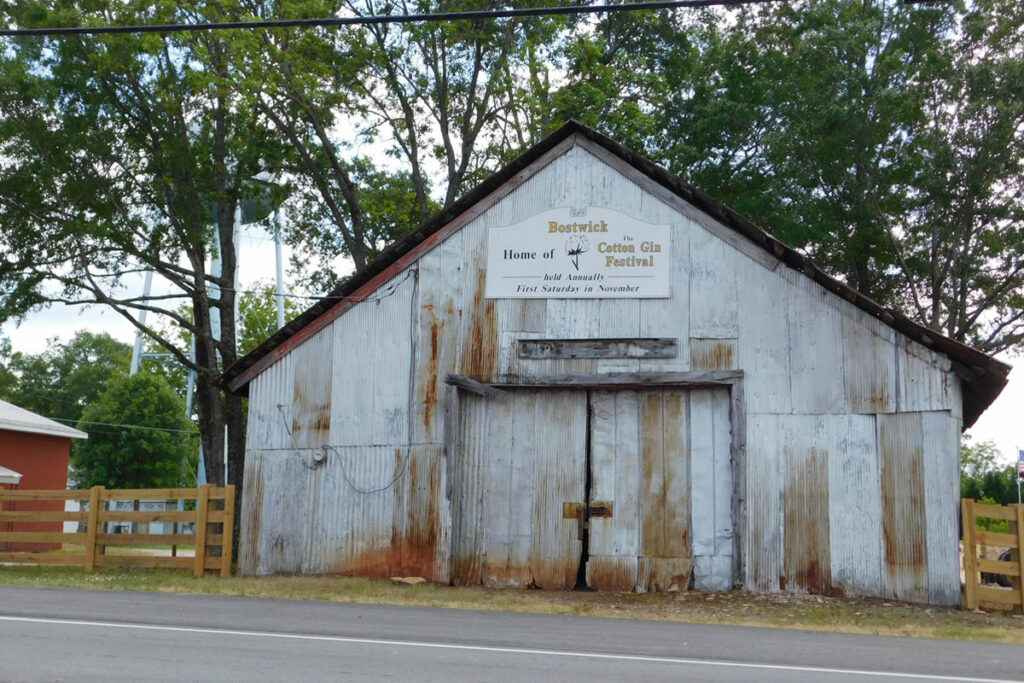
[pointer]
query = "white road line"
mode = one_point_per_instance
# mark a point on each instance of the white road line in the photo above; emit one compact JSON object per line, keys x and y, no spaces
{"x":507,"y":650}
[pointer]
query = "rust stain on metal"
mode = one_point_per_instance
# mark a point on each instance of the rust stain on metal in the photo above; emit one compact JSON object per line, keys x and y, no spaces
{"x":903,"y":519}
{"x":712,"y":354}
{"x":422,"y":524}
{"x":480,"y":350}
{"x":611,"y":574}
{"x":807,"y":562}
{"x":253,"y":495}
{"x":662,"y":574}
{"x":428,"y":382}
{"x":652,"y":465}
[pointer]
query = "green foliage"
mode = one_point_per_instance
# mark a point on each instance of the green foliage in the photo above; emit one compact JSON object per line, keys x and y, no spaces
{"x":983,"y":478}
{"x":884,"y":140}
{"x":156,"y":451}
{"x":60,"y":381}
{"x":257,"y":315}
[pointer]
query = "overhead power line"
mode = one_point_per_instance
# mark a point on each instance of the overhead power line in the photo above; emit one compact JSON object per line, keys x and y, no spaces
{"x":383,"y":19}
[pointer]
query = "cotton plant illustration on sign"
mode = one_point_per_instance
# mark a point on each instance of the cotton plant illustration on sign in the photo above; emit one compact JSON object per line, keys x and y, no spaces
{"x":574,"y":246}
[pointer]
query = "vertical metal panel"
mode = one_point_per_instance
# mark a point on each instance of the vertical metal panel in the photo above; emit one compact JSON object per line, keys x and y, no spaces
{"x":438,"y":323}
{"x":354,"y":515}
{"x":670,"y":317}
{"x":419,"y":538}
{"x":904,"y":525}
{"x":714,"y":269}
{"x":311,"y":398}
{"x":561,"y":443}
{"x":275,"y":523}
{"x":942,"y":482}
{"x":712,"y":354}
{"x":869,"y":360}
{"x":469,"y":489}
{"x":764,"y":343}
{"x":711,"y":489}
{"x":503,"y":477}
{"x":816,"y":355}
{"x":855,"y":504}
{"x":764,"y":493}
{"x":614,"y":443}
{"x":370,"y":398}
{"x":270,"y":407}
{"x":924,"y":378}
{"x":807,"y":564}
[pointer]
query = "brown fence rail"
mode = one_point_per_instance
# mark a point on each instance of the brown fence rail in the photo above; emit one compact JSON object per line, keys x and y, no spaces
{"x":974,"y":563}
{"x":211,"y":520}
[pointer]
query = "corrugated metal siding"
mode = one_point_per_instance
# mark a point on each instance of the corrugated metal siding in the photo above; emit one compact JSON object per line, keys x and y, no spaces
{"x":942,"y":484}
{"x":712,"y":354}
{"x":855,"y":504}
{"x":925,"y":378}
{"x":715,"y":285}
{"x":711,"y":489}
{"x":869,"y":360}
{"x":370,"y":394}
{"x":807,"y":564}
{"x":764,"y":340}
{"x":311,"y":396}
{"x":904,"y":525}
{"x":270,"y":407}
{"x":764,"y":506}
{"x":521,"y":456}
{"x":816,"y":352}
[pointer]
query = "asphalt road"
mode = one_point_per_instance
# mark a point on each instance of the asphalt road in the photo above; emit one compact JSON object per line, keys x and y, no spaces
{"x":77,"y":635}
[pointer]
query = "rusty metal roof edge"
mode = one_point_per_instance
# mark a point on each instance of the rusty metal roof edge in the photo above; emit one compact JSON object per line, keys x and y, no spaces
{"x":984,"y":387}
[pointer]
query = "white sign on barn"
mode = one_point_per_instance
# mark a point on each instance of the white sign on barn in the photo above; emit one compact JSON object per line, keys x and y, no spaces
{"x":596,"y":253}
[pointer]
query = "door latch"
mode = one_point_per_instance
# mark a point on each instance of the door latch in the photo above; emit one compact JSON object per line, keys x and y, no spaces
{"x":582,"y":513}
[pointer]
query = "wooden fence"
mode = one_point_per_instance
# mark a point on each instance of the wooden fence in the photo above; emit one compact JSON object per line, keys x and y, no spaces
{"x":212,"y":520}
{"x":974,"y":564}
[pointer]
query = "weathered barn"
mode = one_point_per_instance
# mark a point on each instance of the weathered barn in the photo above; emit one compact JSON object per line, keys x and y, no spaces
{"x":589,"y":371}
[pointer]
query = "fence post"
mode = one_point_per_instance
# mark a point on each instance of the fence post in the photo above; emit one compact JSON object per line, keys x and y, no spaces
{"x":1015,"y":557}
{"x":970,"y":555}
{"x":202,"y":514}
{"x":228,"y":533}
{"x":91,"y":529}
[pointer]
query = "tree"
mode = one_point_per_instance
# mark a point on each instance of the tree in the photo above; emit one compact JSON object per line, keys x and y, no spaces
{"x":129,"y":153}
{"x":881,"y":139}
{"x":65,"y":377}
{"x":139,"y":437}
{"x":257,"y":314}
{"x":982,"y":477}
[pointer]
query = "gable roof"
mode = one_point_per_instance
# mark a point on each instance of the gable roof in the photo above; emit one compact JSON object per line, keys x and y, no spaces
{"x":15,"y":419}
{"x":983,"y":376}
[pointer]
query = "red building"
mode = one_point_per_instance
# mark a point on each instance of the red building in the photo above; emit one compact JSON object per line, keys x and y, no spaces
{"x":37,"y":448}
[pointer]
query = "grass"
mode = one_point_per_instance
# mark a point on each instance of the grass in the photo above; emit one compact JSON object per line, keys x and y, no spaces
{"x":739,"y":608}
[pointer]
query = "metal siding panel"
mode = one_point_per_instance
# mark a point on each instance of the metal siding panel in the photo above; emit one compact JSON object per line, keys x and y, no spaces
{"x":370,"y":401}
{"x":942,"y":482}
{"x":855,"y":504}
{"x":251,"y":513}
{"x":438,"y":321}
{"x":311,"y":398}
{"x":563,"y":435}
{"x":468,"y":488}
{"x":764,"y":493}
{"x":806,"y":560}
{"x":869,"y":360}
{"x":924,"y":376}
{"x":618,"y":319}
{"x":284,"y":512}
{"x":713,"y":269}
{"x":904,"y":525}
{"x":497,"y":472}
{"x":604,"y":476}
{"x":270,"y":404}
{"x":652,"y":483}
{"x":670,"y":318}
{"x":419,"y":526}
{"x":627,"y":520}
{"x":712,"y":354}
{"x":711,"y":489}
{"x":523,"y":476}
{"x":816,"y":354}
{"x":763,"y":345}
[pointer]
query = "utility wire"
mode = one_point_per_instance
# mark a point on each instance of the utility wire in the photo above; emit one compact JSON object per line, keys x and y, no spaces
{"x":376,"y":20}
{"x":114,"y":424}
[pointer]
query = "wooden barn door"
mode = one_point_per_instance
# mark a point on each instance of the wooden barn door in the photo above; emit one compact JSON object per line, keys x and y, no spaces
{"x":519,"y":459}
{"x":639,"y":468}
{"x":549,"y":480}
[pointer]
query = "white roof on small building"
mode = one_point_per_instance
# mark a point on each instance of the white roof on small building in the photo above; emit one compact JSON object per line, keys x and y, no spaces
{"x":9,"y":476}
{"x":18,"y":419}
